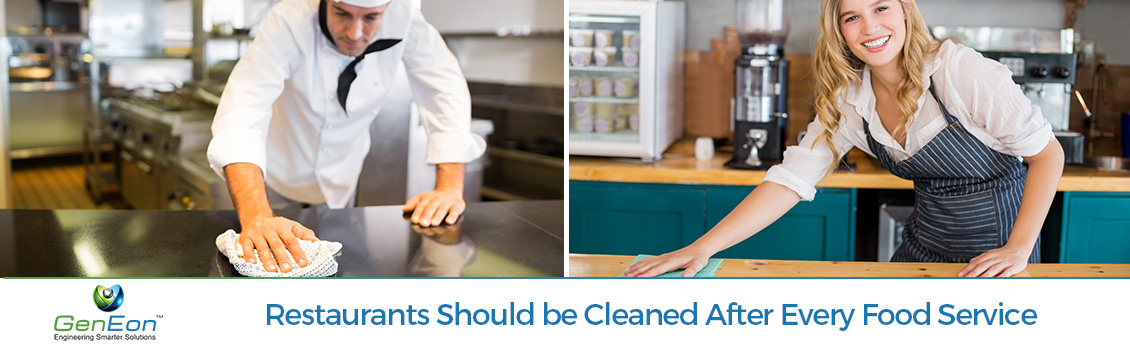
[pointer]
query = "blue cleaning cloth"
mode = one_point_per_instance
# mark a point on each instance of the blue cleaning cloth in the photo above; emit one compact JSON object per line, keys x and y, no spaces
{"x":707,"y":271}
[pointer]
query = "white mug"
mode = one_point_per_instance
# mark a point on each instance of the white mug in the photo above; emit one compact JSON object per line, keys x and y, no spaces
{"x":704,"y":148}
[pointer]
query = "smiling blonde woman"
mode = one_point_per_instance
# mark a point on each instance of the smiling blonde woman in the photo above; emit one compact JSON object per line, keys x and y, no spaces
{"x":936,"y":113}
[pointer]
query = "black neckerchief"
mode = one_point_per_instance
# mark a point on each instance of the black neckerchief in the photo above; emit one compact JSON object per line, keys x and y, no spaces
{"x":345,"y":80}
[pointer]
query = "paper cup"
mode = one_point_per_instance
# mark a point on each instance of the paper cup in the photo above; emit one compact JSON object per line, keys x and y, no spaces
{"x":603,"y":125}
{"x":602,"y":38}
{"x":580,"y":37}
{"x":703,"y":148}
{"x":580,"y":56}
{"x":583,"y":124}
{"x":619,"y":123}
{"x":604,"y":86}
{"x":631,"y":112}
{"x":604,"y":56}
{"x":631,"y":39}
{"x":625,"y":87}
{"x":630,"y":57}
{"x":606,"y":109}
{"x":582,"y":109}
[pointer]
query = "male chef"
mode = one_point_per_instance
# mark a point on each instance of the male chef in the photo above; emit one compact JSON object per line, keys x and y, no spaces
{"x":292,"y":127}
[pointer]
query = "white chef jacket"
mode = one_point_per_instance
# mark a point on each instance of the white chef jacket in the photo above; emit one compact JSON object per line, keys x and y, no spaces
{"x":976,"y":90}
{"x":280,"y":110}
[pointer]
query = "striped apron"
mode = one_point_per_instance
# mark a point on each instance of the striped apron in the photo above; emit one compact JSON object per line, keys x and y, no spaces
{"x":967,"y":195}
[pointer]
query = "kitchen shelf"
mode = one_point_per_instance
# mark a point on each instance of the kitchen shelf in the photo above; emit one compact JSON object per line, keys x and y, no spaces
{"x":516,"y":107}
{"x":605,"y":100}
{"x":234,"y":37}
{"x":501,"y":195}
{"x":45,"y":86}
{"x":617,"y":136}
{"x":508,"y":33}
{"x":528,"y":157}
{"x":599,"y":69}
{"x":603,"y":19}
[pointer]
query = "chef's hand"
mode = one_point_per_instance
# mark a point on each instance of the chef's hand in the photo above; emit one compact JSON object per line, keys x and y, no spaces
{"x":1004,"y":262}
{"x":430,"y":208}
{"x":272,"y":237}
{"x":444,"y":234}
{"x":690,"y":259}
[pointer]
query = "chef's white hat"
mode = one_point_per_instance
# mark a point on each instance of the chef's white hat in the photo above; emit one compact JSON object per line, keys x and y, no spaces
{"x":365,"y":3}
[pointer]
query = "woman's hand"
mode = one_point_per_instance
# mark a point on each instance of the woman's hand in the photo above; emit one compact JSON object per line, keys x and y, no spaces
{"x":691,"y":259}
{"x":1003,"y":262}
{"x":767,"y":203}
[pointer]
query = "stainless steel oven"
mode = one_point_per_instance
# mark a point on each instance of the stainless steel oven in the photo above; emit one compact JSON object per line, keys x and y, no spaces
{"x":140,"y":141}
{"x":49,"y":83}
{"x":140,"y":179}
{"x":892,"y":220}
{"x":192,"y":185}
{"x":161,"y":150}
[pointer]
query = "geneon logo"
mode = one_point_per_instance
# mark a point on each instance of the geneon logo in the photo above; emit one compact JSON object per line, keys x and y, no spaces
{"x":108,"y":299}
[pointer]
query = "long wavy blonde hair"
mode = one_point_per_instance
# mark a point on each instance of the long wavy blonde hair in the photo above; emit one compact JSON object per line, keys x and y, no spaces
{"x":837,"y":68}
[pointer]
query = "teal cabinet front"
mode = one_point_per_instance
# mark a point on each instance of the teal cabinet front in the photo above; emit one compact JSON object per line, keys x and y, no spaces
{"x":631,"y":219}
{"x":1096,"y":228}
{"x":823,"y":229}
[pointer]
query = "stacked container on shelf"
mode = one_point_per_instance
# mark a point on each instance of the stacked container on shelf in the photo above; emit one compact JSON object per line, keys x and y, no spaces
{"x":604,"y":94}
{"x":625,"y":77}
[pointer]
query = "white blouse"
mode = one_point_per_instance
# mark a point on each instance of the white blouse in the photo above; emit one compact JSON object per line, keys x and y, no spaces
{"x":976,"y":90}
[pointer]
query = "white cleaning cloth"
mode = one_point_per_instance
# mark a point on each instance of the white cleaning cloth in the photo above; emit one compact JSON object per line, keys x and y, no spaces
{"x":319,"y":254}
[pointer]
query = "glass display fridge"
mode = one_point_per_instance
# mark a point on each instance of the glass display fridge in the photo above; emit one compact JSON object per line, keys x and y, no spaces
{"x":625,"y":77}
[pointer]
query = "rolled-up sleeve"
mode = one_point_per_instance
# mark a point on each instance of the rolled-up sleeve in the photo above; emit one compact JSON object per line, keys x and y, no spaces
{"x":239,"y":129}
{"x":441,"y":95}
{"x":805,"y":165}
{"x":998,"y":105}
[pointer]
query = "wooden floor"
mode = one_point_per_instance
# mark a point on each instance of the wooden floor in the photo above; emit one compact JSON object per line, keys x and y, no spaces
{"x":54,"y":183}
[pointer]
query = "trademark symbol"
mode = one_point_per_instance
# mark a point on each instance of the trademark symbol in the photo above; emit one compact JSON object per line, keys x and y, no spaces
{"x":160,"y":316}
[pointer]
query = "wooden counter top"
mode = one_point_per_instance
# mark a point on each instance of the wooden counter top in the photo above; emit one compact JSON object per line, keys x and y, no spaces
{"x":679,"y":166}
{"x":581,"y":265}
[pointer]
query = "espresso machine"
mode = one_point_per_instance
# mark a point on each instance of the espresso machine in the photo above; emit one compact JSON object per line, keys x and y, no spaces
{"x":759,"y":106}
{"x":1043,"y":65}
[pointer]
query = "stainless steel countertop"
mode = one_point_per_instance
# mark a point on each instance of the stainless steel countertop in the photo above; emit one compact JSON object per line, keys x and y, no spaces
{"x":493,"y":239}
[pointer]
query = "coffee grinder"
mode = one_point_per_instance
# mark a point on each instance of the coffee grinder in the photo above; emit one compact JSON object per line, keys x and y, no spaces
{"x":760,"y":106}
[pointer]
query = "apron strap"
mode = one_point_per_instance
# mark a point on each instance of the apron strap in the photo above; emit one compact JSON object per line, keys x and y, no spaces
{"x":945,"y":112}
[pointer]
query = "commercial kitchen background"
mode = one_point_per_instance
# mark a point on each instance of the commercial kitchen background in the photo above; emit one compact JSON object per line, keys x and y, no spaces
{"x":626,"y":208}
{"x":1101,"y":22}
{"x":108,"y":102}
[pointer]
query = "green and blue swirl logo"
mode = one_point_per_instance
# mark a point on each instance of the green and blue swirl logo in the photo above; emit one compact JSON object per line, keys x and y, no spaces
{"x":108,"y":299}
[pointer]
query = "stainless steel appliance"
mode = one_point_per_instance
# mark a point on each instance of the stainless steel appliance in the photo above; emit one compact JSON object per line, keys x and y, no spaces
{"x":1042,"y":62}
{"x":526,"y":149}
{"x":128,"y":78}
{"x":161,"y":149}
{"x":113,"y":40}
{"x":892,"y":219}
{"x":49,"y":82}
{"x":625,"y":77}
{"x":190,"y":184}
{"x":395,"y":169}
{"x":127,"y":28}
{"x":760,"y":105}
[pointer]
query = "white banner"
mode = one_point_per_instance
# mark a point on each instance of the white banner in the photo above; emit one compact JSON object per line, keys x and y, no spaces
{"x":566,"y":313}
